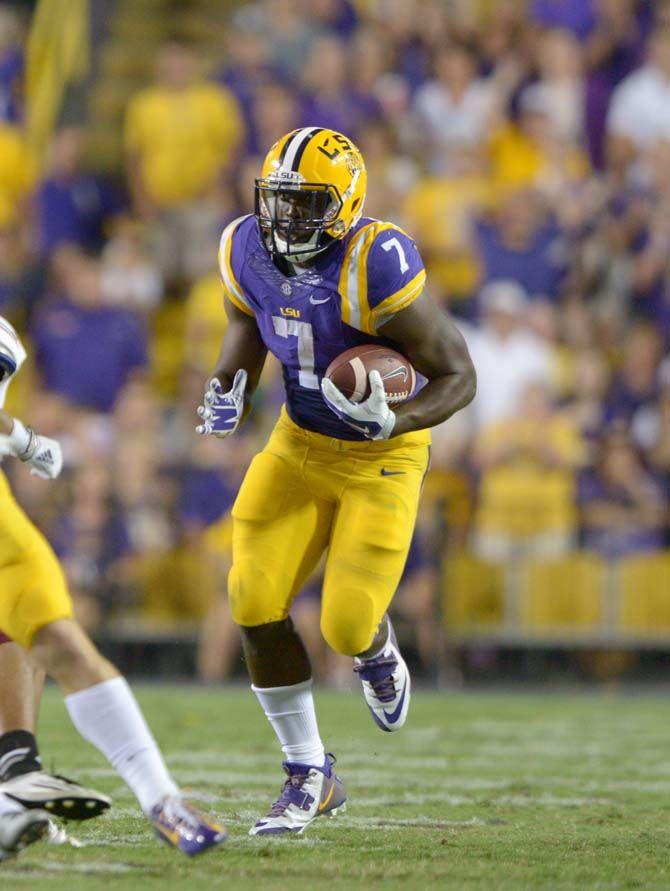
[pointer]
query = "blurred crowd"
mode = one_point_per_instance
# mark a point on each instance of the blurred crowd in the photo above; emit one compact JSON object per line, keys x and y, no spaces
{"x":526,"y":147}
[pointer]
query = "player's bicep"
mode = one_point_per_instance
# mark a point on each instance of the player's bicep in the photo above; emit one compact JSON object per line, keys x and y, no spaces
{"x":429,"y":339}
{"x":242,"y":347}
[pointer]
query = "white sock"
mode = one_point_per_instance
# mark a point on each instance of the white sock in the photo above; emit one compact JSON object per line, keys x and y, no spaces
{"x":290,"y":710}
{"x":108,"y":716}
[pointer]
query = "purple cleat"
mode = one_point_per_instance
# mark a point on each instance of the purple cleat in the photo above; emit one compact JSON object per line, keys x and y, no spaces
{"x":184,"y":827}
{"x":309,"y":792}
{"x":386,"y":685}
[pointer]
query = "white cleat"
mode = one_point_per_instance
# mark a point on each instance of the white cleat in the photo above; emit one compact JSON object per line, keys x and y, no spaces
{"x":55,"y":794}
{"x":387,"y":685}
{"x":21,"y":828}
{"x":308,"y":792}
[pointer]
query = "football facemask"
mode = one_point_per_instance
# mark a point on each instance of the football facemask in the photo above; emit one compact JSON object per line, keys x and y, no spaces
{"x":295,"y":218}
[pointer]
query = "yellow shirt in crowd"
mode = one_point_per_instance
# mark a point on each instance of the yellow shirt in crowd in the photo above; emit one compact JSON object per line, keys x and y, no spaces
{"x":17,"y":173}
{"x":523,"y":496}
{"x":438,"y":213}
{"x":183,"y":138}
{"x":517,"y":161}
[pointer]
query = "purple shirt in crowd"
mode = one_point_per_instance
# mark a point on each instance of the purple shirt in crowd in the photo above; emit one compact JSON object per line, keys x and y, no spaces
{"x":74,"y":210}
{"x":539,"y":268}
{"x":616,"y":543}
{"x":88,"y":354}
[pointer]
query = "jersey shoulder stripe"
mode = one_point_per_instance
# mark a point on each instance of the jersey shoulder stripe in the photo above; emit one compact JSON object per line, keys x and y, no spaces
{"x":393,"y":304}
{"x":233,"y":289}
{"x":353,"y":285}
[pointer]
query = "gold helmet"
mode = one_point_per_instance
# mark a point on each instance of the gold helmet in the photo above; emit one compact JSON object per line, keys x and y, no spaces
{"x":310,"y":193}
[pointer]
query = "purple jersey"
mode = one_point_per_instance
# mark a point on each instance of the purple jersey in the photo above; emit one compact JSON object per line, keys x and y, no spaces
{"x":307,"y":320}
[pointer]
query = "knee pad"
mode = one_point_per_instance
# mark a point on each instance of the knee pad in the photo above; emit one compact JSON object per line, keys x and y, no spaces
{"x":253,"y":596}
{"x":349,"y":625}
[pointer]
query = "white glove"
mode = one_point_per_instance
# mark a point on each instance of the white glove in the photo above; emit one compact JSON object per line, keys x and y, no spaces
{"x":42,"y":453}
{"x":373,"y":418}
{"x":222,"y":412}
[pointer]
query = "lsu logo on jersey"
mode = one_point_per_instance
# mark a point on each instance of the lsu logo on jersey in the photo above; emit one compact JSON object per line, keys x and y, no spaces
{"x":289,"y":312}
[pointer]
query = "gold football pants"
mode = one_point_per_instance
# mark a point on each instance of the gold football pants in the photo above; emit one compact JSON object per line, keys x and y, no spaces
{"x":306,"y":493}
{"x":33,"y":592}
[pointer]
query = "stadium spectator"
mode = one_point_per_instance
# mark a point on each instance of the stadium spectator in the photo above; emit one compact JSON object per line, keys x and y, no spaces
{"x":284,"y":29}
{"x":560,"y":64}
{"x":182,"y":134}
{"x":330,"y":100}
{"x":11,"y":65}
{"x":71,"y":205}
{"x":441,"y":213}
{"x":17,"y":176}
{"x":86,"y":351}
{"x":506,"y":354}
{"x":91,"y":539}
{"x":622,"y":505}
{"x":454,"y":109}
{"x":247,"y":74}
{"x":530,"y":152}
{"x":614,"y":48}
{"x":13,"y":268}
{"x":520,"y":242}
{"x":636,"y":383}
{"x":338,"y":16}
{"x":528,"y":465}
{"x":275,"y":109}
{"x":129,"y":277}
{"x":577,"y":16}
{"x":640,"y":108}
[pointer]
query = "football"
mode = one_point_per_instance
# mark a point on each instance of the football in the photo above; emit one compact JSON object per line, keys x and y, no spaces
{"x":350,"y":372}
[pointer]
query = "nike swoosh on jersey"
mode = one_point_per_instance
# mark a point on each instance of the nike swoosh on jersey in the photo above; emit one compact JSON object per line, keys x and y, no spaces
{"x":315,"y":302}
{"x":395,"y":714}
{"x":386,"y":472}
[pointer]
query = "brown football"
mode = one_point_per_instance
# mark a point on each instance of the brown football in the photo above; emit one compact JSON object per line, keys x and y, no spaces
{"x":350,"y":370}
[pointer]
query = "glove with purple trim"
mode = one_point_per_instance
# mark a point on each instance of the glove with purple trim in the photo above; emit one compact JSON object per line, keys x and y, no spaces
{"x":373,"y":418}
{"x":221,"y":412}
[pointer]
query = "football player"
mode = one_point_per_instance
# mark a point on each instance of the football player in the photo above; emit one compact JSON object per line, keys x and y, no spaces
{"x":308,"y":277}
{"x":36,"y":612}
{"x":29,"y":795}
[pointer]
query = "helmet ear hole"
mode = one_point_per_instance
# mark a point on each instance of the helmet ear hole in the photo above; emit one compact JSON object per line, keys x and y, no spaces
{"x":355,"y":203}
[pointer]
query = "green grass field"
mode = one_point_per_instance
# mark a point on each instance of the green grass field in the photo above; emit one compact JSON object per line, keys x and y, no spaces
{"x":478,"y":791}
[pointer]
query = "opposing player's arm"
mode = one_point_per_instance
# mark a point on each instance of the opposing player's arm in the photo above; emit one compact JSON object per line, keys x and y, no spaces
{"x":436,"y":348}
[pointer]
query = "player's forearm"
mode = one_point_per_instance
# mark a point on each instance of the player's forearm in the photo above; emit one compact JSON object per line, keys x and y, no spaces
{"x":242,"y":347}
{"x":21,"y":438}
{"x":439,"y":400}
{"x":6,"y":423}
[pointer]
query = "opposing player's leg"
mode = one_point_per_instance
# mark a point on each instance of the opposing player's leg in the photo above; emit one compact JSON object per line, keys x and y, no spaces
{"x":36,"y":612}
{"x":366,"y":557}
{"x":21,"y":776}
{"x":19,"y":827}
{"x":280,"y":531}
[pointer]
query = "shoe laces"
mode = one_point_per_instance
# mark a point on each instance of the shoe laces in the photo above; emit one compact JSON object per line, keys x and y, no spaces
{"x":292,"y":792}
{"x":378,"y":672}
